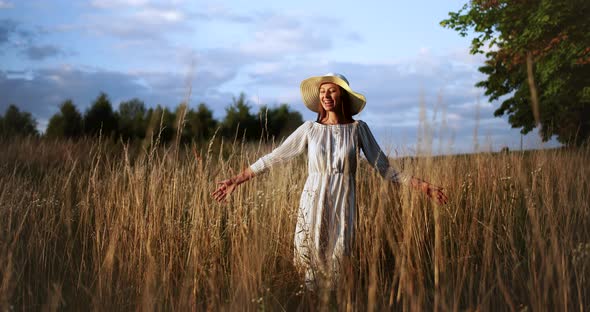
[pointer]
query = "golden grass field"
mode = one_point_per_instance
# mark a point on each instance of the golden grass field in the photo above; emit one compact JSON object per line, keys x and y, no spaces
{"x":94,"y":226}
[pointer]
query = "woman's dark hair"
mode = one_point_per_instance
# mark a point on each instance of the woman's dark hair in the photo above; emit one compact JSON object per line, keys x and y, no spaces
{"x":345,"y":107}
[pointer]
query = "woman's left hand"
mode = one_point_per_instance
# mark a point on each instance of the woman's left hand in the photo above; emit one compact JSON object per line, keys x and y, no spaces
{"x":436,"y":193}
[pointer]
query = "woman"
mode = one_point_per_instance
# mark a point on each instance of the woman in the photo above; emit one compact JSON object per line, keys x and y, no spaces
{"x":325,"y":226}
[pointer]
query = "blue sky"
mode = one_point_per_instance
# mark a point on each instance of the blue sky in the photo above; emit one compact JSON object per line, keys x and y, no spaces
{"x":415,"y":74}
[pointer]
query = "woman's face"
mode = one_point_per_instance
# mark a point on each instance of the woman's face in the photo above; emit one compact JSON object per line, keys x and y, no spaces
{"x":330,"y":96}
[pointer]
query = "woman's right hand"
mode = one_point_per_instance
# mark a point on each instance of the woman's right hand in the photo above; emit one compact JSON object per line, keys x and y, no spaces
{"x":225,"y":188}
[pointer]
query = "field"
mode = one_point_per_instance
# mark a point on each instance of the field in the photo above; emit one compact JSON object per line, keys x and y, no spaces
{"x":99,"y":226}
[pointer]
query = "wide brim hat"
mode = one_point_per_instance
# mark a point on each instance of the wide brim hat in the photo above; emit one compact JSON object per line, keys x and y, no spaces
{"x":310,"y":92}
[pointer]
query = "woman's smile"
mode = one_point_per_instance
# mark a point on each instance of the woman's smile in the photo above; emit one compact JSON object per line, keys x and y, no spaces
{"x":329,"y":95}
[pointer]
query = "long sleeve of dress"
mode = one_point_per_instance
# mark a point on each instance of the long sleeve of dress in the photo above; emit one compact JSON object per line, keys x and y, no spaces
{"x":376,"y":157}
{"x":294,"y":145}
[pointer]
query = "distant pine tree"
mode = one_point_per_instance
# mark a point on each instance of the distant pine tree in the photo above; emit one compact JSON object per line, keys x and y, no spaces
{"x":100,"y":118}
{"x":132,"y":119}
{"x":238,"y":120}
{"x":65,"y":124}
{"x":200,"y":124}
{"x":279,"y":122}
{"x":16,"y":123}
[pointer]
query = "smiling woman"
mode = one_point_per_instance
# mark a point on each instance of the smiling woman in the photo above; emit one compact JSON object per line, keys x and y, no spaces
{"x":324,"y":234}
{"x":330,"y":94}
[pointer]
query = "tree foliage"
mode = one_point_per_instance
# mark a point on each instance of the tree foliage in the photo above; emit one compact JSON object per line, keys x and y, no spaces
{"x":549,"y":36}
{"x":239,"y":121}
{"x":279,"y":121}
{"x":132,"y":119}
{"x":100,"y":118}
{"x":15,"y":123}
{"x":200,"y":124}
{"x":65,"y":124}
{"x":161,"y":127}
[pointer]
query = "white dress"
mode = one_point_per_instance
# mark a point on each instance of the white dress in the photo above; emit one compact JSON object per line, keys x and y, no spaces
{"x":326,"y":218}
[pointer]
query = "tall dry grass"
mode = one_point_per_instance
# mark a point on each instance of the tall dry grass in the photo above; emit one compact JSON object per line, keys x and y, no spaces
{"x":92,"y":225}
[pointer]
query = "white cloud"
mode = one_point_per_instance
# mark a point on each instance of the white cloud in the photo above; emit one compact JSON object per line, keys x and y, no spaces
{"x":266,"y":68}
{"x":6,"y":4}
{"x":138,"y":21}
{"x":146,"y":25}
{"x":117,"y":3}
{"x":220,"y":12}
{"x":282,"y":41}
{"x":278,"y":36}
{"x":160,"y":16}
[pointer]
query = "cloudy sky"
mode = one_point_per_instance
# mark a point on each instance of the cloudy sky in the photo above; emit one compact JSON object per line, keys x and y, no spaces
{"x":417,"y":76}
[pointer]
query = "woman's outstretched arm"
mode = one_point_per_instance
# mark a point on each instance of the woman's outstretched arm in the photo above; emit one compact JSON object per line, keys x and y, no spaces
{"x":294,"y":145}
{"x":379,"y":161}
{"x":226,"y":187}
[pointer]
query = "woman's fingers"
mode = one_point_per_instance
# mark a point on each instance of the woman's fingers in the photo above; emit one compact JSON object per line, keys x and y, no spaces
{"x":219,"y":196}
{"x":437,"y":194}
{"x":220,"y":190}
{"x":223,"y":183}
{"x":441,"y":197}
{"x":217,"y":191}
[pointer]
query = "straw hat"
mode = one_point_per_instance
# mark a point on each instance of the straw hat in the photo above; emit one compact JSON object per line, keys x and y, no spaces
{"x":310,"y":91}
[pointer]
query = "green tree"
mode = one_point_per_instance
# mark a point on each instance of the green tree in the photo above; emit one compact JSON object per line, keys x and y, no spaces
{"x":132,"y":119}
{"x":16,"y":123}
{"x":279,"y":121}
{"x":161,"y":125}
{"x":65,"y":124}
{"x":238,"y":120}
{"x":100,"y":118}
{"x":200,"y":124}
{"x":537,"y":62}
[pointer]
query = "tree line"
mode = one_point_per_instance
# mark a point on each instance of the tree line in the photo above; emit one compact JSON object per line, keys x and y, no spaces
{"x":134,"y":121}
